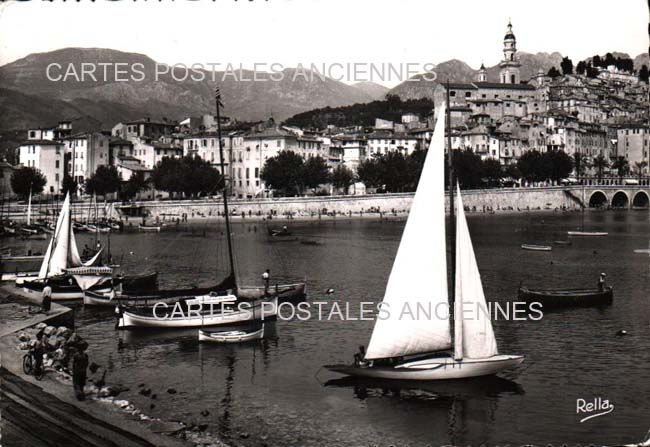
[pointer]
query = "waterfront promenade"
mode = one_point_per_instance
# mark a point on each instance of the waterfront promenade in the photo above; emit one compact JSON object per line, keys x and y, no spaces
{"x":46,"y":413}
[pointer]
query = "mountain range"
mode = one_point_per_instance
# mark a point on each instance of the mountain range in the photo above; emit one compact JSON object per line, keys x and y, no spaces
{"x":28,"y":98}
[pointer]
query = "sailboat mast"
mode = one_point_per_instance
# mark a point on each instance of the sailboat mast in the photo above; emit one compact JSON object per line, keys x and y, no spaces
{"x":225,"y":189}
{"x":452,"y":220}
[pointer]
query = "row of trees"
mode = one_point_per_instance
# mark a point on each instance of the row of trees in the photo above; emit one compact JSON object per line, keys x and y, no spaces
{"x":189,"y":176}
{"x":590,"y":68}
{"x":290,"y":174}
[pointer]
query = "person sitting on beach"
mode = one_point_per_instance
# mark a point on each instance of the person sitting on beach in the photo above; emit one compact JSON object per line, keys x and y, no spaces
{"x":46,"y":302}
{"x":601,"y":282}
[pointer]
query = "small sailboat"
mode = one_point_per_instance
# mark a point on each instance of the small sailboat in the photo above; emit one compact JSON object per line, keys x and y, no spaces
{"x":536,"y":247}
{"x":418,"y":347}
{"x":195,"y":310}
{"x":231,"y":336}
{"x":62,"y":267}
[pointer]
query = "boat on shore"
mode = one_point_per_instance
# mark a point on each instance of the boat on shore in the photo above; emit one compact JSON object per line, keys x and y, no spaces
{"x":231,"y":336}
{"x":420,"y":348}
{"x":556,"y":298}
{"x":536,"y":247}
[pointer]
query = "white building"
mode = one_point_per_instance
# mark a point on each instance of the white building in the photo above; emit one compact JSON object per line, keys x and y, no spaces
{"x":381,"y":143}
{"x":85,"y":152}
{"x":48,"y":157}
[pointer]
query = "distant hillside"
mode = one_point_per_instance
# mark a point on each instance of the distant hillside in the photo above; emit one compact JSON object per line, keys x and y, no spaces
{"x":109,"y":101}
{"x":391,"y":109}
{"x":372,"y":89}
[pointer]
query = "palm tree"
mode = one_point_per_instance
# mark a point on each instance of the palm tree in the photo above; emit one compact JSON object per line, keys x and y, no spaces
{"x":622,"y":166}
{"x":639,"y":166}
{"x":600,"y":163}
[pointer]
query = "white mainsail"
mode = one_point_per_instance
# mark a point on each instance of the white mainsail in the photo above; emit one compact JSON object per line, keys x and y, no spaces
{"x":58,"y":259}
{"x":418,"y":280}
{"x":473,"y":333}
{"x":62,"y":252}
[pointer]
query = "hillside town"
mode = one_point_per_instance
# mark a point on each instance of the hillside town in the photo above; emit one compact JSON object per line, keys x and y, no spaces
{"x":601,"y":117}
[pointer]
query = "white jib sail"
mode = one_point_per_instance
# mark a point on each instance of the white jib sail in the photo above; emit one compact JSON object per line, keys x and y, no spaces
{"x":57,"y":261}
{"x":473,"y":333}
{"x":416,"y":297}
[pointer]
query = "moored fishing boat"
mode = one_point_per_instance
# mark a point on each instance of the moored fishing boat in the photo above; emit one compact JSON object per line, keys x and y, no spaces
{"x":196,"y":312}
{"x":149,"y":228}
{"x":555,"y":298}
{"x":284,"y":292}
{"x":536,"y":247}
{"x":418,"y":348}
{"x":587,"y":233}
{"x":231,"y":308}
{"x":231,"y":336}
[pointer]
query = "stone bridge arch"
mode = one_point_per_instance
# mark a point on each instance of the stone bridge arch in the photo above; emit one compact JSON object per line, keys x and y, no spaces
{"x":641,"y":200}
{"x":620,"y":199}
{"x":598,"y":199}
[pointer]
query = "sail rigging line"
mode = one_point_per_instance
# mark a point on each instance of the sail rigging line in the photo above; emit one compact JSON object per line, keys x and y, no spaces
{"x":225,"y":189}
{"x":452,"y":223}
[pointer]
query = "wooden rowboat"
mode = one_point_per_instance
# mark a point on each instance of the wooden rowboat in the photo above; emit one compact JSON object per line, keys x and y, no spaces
{"x":231,"y":336}
{"x":587,"y":233}
{"x":554,"y":298}
{"x":565,"y":243}
{"x":284,"y":292}
{"x":536,"y":247}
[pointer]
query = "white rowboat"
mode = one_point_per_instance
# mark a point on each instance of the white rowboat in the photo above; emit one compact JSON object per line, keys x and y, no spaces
{"x":231,"y":336}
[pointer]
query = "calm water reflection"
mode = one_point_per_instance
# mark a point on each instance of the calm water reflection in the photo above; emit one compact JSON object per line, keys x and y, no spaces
{"x":275,"y":390}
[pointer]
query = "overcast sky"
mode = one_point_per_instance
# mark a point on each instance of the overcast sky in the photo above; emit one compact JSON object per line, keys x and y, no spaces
{"x":289,"y":32}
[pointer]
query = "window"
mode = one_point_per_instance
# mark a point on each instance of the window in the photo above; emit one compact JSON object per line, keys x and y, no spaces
{"x":452,"y":93}
{"x":257,"y":171}
{"x":56,"y":177}
{"x":56,"y":165}
{"x":247,"y":173}
{"x":468,"y":94}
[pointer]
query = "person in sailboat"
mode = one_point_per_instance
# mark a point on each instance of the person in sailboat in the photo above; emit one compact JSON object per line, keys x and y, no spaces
{"x":360,"y":357}
{"x":601,"y":282}
{"x":266,"y":276}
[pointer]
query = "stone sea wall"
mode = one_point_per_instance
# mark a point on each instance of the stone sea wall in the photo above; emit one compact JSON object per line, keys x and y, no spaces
{"x":478,"y":200}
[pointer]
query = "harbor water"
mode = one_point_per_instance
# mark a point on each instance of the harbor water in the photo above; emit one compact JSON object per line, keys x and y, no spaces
{"x":275,"y":392}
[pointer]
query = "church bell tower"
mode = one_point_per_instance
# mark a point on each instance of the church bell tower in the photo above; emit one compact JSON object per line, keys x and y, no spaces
{"x":510,"y":64}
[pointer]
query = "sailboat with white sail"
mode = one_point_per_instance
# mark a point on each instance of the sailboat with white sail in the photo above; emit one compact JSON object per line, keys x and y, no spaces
{"x":230,"y":308}
{"x":62,"y":267}
{"x":406,"y":346}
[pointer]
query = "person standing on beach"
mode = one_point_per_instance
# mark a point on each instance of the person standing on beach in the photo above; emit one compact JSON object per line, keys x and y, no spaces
{"x":46,"y":302}
{"x":79,"y":366}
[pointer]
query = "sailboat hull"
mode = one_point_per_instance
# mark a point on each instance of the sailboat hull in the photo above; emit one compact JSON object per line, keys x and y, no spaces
{"x":437,"y":368}
{"x":285,"y":292}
